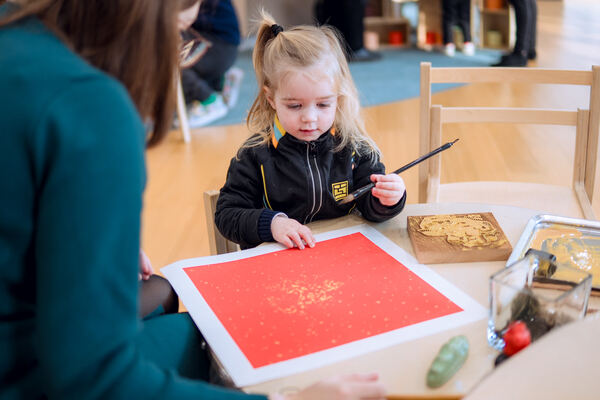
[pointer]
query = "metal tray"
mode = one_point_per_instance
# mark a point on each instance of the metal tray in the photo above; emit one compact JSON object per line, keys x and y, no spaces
{"x":543,"y":221}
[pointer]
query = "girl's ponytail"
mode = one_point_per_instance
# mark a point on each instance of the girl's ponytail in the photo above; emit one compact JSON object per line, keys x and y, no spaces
{"x":267,"y":31}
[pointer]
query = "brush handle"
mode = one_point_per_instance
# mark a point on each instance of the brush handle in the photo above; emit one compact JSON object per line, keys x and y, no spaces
{"x":359,"y":192}
{"x":424,"y":157}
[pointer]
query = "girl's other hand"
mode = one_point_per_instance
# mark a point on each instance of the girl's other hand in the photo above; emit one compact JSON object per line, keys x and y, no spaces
{"x":346,"y":387}
{"x":389,"y":189}
{"x":145,"y":266}
{"x":291,"y":233}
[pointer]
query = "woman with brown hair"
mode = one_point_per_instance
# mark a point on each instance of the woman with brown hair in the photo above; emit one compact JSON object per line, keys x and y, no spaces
{"x":78,"y":78}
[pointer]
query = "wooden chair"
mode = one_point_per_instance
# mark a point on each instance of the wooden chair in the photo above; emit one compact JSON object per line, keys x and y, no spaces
{"x":182,"y":112}
{"x":572,"y":201}
{"x":217,"y":242}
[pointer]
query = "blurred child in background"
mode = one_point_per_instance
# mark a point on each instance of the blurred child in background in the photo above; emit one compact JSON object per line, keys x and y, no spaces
{"x":457,"y":12}
{"x":211,"y":85}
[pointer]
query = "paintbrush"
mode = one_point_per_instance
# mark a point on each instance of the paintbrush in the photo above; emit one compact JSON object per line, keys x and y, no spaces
{"x":359,"y":192}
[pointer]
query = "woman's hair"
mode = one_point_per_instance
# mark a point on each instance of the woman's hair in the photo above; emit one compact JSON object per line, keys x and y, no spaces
{"x":135,"y":41}
{"x":301,"y":47}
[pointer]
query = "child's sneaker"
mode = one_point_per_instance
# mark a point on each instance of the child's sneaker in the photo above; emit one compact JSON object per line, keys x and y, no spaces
{"x":231,"y":87}
{"x":203,"y":113}
{"x":468,"y":49}
{"x":449,"y":49}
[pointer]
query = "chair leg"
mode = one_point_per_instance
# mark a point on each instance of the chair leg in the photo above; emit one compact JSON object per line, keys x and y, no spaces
{"x":182,"y":113}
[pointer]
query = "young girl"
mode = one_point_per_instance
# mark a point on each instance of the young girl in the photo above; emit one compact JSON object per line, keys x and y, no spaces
{"x":310,"y":149}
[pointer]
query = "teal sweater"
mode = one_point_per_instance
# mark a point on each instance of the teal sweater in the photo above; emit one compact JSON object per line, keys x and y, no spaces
{"x":71,"y":182}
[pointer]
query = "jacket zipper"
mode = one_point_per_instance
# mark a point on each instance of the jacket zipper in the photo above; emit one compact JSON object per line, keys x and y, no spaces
{"x":315,"y":187}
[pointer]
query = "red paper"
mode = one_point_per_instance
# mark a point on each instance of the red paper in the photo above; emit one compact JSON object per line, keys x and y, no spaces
{"x":291,"y":303}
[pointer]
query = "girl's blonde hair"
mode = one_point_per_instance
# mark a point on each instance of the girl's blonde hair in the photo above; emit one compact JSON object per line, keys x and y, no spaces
{"x":304,"y":46}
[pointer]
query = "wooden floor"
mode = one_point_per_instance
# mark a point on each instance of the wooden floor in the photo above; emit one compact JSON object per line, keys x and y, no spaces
{"x":568,"y":37}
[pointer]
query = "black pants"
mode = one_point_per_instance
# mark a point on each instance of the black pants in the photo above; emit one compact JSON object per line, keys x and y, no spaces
{"x":347,"y":16}
{"x":206,"y":76}
{"x":526,"y":20}
{"x":456,"y":12}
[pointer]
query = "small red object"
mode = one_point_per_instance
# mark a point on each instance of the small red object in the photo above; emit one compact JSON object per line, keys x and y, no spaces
{"x":495,"y":4}
{"x":516,"y":338}
{"x":396,"y":38}
{"x":430,"y":38}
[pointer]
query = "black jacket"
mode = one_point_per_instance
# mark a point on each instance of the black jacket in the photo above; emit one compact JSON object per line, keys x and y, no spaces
{"x":304,"y":180}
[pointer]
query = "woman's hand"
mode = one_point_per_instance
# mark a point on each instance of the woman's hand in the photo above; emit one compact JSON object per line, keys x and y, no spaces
{"x":389,"y":189}
{"x":145,"y":266}
{"x":291,"y":233}
{"x":186,"y":17}
{"x":346,"y":387}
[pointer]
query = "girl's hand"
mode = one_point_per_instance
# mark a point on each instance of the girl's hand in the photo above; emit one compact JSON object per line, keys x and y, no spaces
{"x":291,"y":233}
{"x":347,"y":387}
{"x":145,"y":266}
{"x":389,"y":189}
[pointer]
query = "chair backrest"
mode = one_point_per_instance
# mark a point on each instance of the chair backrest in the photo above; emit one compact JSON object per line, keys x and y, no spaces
{"x":217,"y":242}
{"x":587,"y":123}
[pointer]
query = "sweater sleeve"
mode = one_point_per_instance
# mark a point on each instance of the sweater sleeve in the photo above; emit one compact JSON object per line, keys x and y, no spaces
{"x":369,"y":205}
{"x":241,"y":215}
{"x":90,"y":178}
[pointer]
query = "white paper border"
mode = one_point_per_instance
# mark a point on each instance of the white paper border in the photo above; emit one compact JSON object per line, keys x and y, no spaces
{"x":239,"y":368}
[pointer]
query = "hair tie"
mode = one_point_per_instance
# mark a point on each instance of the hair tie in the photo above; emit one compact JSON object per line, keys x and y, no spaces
{"x":276,"y":29}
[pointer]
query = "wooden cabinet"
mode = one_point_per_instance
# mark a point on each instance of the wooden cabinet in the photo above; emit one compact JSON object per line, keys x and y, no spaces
{"x":429,"y":28}
{"x":384,"y":17}
{"x":492,"y":24}
{"x":492,"y":21}
{"x":496,"y":24}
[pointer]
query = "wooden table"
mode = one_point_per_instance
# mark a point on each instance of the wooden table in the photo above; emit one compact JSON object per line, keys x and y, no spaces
{"x":562,"y":365}
{"x":403,"y":367}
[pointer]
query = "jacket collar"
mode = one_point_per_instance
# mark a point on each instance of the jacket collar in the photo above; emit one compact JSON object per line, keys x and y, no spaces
{"x":278,"y":132}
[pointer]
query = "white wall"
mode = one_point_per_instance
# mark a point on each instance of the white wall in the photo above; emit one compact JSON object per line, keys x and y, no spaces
{"x":285,"y":12}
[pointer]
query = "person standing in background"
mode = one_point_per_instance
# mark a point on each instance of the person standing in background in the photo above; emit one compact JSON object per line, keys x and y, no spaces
{"x":211,"y":85}
{"x":457,"y":12}
{"x":347,"y":16}
{"x":526,"y":21}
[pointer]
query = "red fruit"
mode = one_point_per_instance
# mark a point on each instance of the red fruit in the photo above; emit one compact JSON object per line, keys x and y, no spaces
{"x":516,"y":338}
